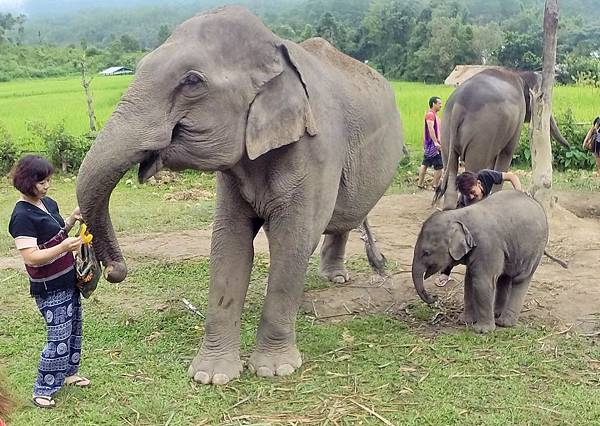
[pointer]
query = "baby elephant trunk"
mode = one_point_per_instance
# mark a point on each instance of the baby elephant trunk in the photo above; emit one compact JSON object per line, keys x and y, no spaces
{"x":418,"y":276}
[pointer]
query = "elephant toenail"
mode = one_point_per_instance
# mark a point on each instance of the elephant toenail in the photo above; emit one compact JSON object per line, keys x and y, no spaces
{"x":285,"y":370}
{"x":202,"y":377}
{"x":339,"y":279}
{"x":264,"y":372}
{"x":220,"y":379}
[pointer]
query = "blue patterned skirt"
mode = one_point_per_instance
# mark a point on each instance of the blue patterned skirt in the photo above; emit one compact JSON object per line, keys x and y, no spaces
{"x":62,"y":312}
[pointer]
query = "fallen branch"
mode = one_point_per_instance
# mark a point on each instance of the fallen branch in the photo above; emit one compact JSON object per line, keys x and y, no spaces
{"x":496,"y":376}
{"x":170,"y":419}
{"x":368,"y":410}
{"x":192,"y":308}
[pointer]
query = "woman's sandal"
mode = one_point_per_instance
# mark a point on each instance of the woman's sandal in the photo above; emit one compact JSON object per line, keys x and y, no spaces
{"x":80,"y":382}
{"x":43,"y":401}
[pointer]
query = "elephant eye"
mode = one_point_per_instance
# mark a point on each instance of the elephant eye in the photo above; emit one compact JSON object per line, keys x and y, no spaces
{"x":191,"y":79}
{"x":193,"y":84}
{"x":426,"y":253}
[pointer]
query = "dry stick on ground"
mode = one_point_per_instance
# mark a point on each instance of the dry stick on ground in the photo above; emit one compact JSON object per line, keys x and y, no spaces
{"x":170,"y":418}
{"x":368,"y":410}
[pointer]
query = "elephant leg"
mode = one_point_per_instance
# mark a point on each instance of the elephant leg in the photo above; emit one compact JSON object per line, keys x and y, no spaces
{"x":505,"y":158}
{"x":503,"y":287}
{"x":511,"y":312}
{"x":483,"y":292}
{"x":468,"y":315}
{"x":218,"y":360}
{"x":332,"y":258}
{"x":451,"y":196}
{"x":276,"y":352}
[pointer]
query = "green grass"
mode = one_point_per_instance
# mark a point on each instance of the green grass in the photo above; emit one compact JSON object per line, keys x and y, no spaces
{"x":139,"y":340}
{"x":412,"y":102}
{"x":53,"y":100}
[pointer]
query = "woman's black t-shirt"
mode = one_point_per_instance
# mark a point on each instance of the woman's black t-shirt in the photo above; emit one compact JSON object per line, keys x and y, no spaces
{"x":28,"y":220}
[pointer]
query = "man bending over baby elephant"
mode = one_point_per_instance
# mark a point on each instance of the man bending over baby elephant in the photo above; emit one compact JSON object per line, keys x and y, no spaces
{"x":475,"y":187}
{"x":500,"y":240}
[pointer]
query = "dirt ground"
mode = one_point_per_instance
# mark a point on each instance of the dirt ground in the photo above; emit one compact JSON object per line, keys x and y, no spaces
{"x":568,"y":299}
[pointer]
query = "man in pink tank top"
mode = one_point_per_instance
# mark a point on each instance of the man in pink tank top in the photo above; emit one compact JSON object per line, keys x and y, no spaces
{"x":432,"y":148}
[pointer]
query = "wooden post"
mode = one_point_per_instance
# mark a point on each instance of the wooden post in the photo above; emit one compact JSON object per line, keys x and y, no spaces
{"x":541,"y":106}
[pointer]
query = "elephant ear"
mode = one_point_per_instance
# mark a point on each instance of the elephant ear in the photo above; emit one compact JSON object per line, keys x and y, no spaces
{"x":280,"y":114}
{"x":461,"y":241}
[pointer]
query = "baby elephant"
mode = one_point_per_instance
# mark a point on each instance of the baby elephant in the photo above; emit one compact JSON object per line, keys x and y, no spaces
{"x":501,"y":241}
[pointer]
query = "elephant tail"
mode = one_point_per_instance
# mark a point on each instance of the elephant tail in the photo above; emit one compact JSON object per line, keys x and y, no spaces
{"x":451,"y":158}
{"x":441,"y":189}
{"x":376,"y":258}
{"x":557,"y":260}
{"x":443,"y":186}
{"x":556,"y":135}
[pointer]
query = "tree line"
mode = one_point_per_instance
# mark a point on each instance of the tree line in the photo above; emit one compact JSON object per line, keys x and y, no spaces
{"x":403,"y":39}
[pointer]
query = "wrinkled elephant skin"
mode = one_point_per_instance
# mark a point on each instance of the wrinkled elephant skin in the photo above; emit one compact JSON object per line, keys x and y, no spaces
{"x":304,"y":141}
{"x":500,"y":239}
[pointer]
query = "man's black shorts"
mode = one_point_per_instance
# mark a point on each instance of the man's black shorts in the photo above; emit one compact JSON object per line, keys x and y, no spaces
{"x":435,"y":162}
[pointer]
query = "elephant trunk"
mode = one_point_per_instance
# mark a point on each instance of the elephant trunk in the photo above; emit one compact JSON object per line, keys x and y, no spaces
{"x":418,"y":275}
{"x":114,"y":151}
{"x":555,"y":133}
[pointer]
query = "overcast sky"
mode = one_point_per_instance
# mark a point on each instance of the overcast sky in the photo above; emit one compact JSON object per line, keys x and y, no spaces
{"x":11,"y":5}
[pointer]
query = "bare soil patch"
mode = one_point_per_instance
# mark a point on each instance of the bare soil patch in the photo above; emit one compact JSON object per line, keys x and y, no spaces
{"x":581,"y":204}
{"x":557,"y":296}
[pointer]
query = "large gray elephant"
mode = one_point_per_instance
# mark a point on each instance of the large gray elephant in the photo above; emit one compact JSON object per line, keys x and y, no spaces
{"x":482,"y":123}
{"x":304,"y":139}
{"x":501,"y":240}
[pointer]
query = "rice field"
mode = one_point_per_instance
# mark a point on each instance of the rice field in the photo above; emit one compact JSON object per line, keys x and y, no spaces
{"x":54,"y":100}
{"x":62,"y":99}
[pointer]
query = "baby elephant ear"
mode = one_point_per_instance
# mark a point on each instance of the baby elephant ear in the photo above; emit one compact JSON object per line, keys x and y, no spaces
{"x":280,"y":114}
{"x":461,"y":241}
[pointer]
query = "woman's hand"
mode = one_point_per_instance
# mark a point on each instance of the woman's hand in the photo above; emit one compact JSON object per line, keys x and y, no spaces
{"x":71,"y":243}
{"x":75,"y":216}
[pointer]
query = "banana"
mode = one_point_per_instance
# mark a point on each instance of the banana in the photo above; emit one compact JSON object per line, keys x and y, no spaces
{"x":86,"y":237}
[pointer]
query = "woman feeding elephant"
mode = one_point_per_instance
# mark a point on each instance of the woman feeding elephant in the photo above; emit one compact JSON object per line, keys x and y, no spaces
{"x":41,"y":236}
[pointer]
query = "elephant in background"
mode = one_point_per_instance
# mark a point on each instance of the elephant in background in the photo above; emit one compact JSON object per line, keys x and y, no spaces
{"x":482,"y":124}
{"x":304,"y":139}
{"x":500,"y":239}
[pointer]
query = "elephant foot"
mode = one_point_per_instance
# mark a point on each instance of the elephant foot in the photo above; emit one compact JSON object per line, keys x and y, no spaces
{"x":338,"y":275}
{"x":466,"y":318}
{"x":481,"y":327}
{"x":218,"y":370}
{"x":279,"y":363}
{"x":506,"y":321}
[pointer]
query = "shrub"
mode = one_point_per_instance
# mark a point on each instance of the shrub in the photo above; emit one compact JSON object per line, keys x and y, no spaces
{"x":582,"y":70}
{"x":65,"y":151}
{"x":9,"y":152}
{"x":574,"y":157}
